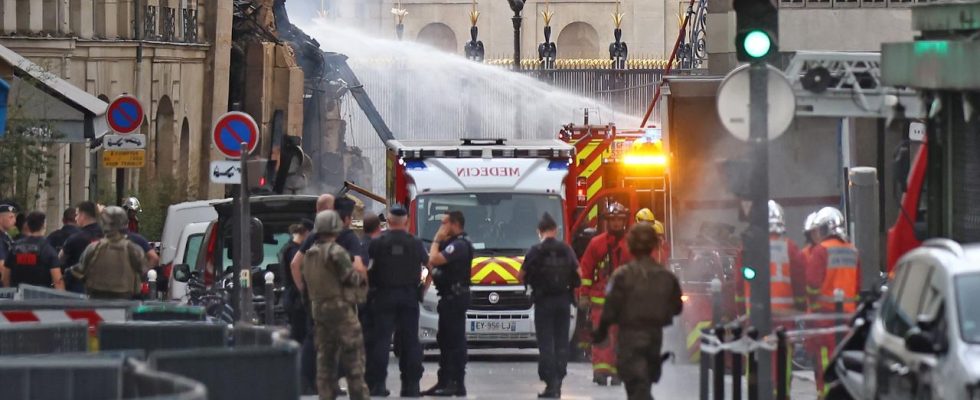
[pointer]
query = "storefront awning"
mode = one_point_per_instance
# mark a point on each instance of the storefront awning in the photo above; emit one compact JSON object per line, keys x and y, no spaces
{"x":91,"y":107}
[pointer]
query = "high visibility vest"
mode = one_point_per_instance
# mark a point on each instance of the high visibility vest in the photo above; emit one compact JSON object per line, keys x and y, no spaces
{"x":842,"y":273}
{"x":780,"y":280}
{"x":780,"y":283}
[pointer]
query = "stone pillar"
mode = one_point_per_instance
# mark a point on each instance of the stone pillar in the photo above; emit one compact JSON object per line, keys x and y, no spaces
{"x":215,"y":17}
{"x":721,"y":37}
{"x":8,"y":16}
{"x":29,"y":16}
{"x":80,"y":18}
{"x":105,"y":19}
{"x":125,"y":16}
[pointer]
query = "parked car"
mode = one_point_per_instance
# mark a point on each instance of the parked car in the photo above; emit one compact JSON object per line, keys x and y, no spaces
{"x":188,"y":247}
{"x":925,"y":343}
{"x":178,"y":217}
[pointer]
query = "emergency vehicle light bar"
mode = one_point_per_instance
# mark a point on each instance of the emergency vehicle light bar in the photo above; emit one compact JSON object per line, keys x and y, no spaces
{"x":478,"y":153}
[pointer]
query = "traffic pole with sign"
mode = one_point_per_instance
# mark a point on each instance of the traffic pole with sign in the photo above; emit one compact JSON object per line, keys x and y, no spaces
{"x":245,"y":311}
{"x":124,"y":116}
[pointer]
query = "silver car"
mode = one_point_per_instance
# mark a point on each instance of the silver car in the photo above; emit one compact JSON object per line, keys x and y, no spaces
{"x":925,"y":343}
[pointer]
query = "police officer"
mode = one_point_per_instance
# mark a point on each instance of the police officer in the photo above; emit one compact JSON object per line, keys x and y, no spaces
{"x":450,"y":258}
{"x":58,"y":238}
{"x":32,"y":260}
{"x":332,"y":285}
{"x":87,"y":217}
{"x":643,"y":298}
{"x":8,"y":218}
{"x":397,"y":258}
{"x":551,"y":269}
{"x":112,"y":267}
{"x":296,"y":310}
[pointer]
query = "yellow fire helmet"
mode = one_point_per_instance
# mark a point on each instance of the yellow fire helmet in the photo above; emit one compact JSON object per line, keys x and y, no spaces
{"x":658,"y":227}
{"x":645,"y":215}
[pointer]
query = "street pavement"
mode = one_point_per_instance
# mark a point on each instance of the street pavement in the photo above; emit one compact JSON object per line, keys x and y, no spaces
{"x":513,"y":374}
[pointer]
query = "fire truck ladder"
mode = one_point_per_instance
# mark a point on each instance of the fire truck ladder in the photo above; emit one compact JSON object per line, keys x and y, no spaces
{"x":846,"y":84}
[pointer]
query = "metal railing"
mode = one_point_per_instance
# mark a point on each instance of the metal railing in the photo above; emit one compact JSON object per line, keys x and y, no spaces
{"x":149,"y":22}
{"x":849,"y":3}
{"x":190,"y":25}
{"x":168,"y":24}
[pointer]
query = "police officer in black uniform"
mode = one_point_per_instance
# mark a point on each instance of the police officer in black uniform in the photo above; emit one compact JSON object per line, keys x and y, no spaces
{"x":87,"y":217}
{"x":396,"y":258}
{"x":8,"y":219}
{"x":551,"y":269}
{"x":32,"y":260}
{"x":451,"y":257}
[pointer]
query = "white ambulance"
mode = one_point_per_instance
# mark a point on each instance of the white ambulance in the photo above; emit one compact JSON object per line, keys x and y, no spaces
{"x":502,"y":187}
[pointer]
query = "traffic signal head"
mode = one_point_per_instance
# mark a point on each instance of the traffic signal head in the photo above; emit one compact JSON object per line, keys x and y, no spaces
{"x":748,"y":273}
{"x":757,"y":27}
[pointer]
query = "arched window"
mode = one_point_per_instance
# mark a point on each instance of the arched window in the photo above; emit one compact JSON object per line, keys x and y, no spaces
{"x":164,"y":155}
{"x":578,"y":40}
{"x":440,"y":36}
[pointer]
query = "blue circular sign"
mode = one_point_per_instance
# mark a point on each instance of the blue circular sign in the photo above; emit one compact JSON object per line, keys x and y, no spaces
{"x":233,"y":129}
{"x":125,"y":114}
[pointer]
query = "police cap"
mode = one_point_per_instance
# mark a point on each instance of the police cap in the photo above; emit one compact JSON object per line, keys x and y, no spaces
{"x":4,"y":208}
{"x":398,"y":210}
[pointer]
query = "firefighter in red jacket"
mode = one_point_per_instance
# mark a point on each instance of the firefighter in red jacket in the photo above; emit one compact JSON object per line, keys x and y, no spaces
{"x":606,"y":252}
{"x":660,"y":253}
{"x":833,"y":269}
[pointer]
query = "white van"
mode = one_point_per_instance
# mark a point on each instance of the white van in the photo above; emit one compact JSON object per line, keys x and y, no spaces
{"x":180,"y":216}
{"x":188,"y":247}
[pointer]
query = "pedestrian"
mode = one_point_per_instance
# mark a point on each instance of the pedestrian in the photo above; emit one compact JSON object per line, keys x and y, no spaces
{"x":643,"y":298}
{"x":308,"y":351}
{"x":333,"y":286}
{"x":8,"y":219}
{"x":372,"y":230}
{"x":551,"y":269}
{"x":833,"y":265}
{"x":296,"y":311}
{"x":133,"y":209}
{"x":606,"y":252}
{"x":397,"y":258}
{"x":111,"y":268}
{"x":662,"y":252}
{"x":87,"y":217}
{"x":58,"y":238}
{"x":450,"y":260}
{"x":32,"y":260}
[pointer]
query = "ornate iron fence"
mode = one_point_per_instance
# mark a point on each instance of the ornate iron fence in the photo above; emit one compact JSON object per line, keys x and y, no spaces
{"x":190,"y":25}
{"x":693,"y":49}
{"x":168,"y":24}
{"x":150,"y":22}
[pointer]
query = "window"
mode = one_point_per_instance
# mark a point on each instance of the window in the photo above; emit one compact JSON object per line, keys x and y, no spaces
{"x":911,"y":298}
{"x":967,"y":297}
{"x":888,"y":307}
{"x":193,"y":248}
{"x":270,"y":251}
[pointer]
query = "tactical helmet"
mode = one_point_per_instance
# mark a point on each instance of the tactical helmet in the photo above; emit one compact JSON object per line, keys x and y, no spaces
{"x":113,"y":219}
{"x":645,"y":215}
{"x":642,"y":238}
{"x":777,"y":222}
{"x":132,"y":204}
{"x":328,"y":222}
{"x":616,"y":210}
{"x":830,"y":222}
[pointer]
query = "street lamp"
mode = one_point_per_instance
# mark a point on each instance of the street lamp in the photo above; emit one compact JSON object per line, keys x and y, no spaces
{"x":517,"y":6}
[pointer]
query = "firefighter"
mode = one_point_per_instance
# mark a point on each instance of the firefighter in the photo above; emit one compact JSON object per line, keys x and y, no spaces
{"x":661,"y":252}
{"x":832,"y":266}
{"x":643,"y":298}
{"x":132,"y":207}
{"x":787,"y":267}
{"x":605,"y":253}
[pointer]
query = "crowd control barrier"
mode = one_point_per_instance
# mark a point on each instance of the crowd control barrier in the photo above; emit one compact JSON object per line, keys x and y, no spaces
{"x":31,"y":292}
{"x":243,"y":373}
{"x":160,"y":311}
{"x":252,"y":335}
{"x":42,"y":338}
{"x":152,"y":336}
{"x":142,"y":383}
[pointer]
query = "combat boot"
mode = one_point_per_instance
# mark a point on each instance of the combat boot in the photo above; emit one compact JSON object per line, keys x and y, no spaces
{"x":551,"y":391}
{"x":410,"y":390}
{"x":440,"y":385}
{"x":600,"y":378}
{"x":453,"y":388}
{"x":380,"y":391}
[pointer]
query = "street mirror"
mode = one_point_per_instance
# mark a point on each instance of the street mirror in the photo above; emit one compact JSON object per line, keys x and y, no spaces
{"x":182,"y":273}
{"x":919,"y":342}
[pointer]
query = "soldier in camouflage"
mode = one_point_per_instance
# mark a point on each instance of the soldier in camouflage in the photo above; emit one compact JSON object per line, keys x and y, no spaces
{"x":335,"y":288}
{"x":642,"y":298}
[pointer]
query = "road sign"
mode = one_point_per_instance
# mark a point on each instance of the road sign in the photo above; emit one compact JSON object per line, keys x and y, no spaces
{"x":124,"y":142}
{"x":228,"y":172}
{"x":733,"y":104}
{"x":231,"y":130}
{"x":125,"y":114}
{"x":917,"y":131}
{"x":124,"y":158}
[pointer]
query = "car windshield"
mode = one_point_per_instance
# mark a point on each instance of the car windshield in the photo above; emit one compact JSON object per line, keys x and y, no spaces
{"x":967,"y":297}
{"x":504,"y":222}
{"x":270,"y":252}
{"x":193,"y":248}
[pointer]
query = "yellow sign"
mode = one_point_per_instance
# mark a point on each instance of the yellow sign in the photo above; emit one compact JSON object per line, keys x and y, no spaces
{"x":123,"y":158}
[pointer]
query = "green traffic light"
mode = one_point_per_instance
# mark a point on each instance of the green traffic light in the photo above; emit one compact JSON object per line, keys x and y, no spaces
{"x":748,"y":273}
{"x":757,"y":44}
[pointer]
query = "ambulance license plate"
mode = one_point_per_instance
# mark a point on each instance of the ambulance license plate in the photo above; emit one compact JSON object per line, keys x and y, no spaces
{"x":493,"y":326}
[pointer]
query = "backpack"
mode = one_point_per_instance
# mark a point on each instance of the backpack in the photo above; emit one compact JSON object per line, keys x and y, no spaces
{"x":103,"y":272}
{"x":553,"y":273}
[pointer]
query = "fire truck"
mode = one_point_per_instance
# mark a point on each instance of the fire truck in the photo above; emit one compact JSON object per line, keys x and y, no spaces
{"x":633,"y":167}
{"x":502,"y":187}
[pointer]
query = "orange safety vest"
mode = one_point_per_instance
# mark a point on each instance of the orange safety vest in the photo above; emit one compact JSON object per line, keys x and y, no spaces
{"x":842,"y":273}
{"x":780,"y":280}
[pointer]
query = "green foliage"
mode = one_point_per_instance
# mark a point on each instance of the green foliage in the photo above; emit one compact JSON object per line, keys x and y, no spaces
{"x":155,"y":196}
{"x":25,"y":162}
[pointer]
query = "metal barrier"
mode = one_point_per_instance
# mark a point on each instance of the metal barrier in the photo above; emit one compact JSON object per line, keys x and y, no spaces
{"x":40,"y":338}
{"x":61,"y":379}
{"x":237,"y":373}
{"x":160,"y":311}
{"x":31,"y":292}
{"x":248,"y":335}
{"x":142,"y":383}
{"x":7,"y":293}
{"x":153,"y":336}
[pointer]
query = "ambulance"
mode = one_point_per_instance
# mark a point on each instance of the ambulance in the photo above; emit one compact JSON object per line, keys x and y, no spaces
{"x":502,"y":187}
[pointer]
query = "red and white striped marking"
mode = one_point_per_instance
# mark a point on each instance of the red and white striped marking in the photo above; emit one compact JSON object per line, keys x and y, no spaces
{"x":92,"y":316}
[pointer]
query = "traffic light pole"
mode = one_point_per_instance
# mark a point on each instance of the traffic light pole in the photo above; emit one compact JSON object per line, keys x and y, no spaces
{"x":242,"y":292}
{"x":756,"y":241}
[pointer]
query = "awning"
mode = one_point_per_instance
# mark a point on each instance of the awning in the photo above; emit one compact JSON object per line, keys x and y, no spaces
{"x":92,"y":108}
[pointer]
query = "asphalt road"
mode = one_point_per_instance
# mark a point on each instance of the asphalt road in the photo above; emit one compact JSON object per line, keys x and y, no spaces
{"x":512,"y":374}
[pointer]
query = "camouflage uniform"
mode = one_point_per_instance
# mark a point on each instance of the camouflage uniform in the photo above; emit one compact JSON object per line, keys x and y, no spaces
{"x":330,"y":276}
{"x":643,"y":298}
